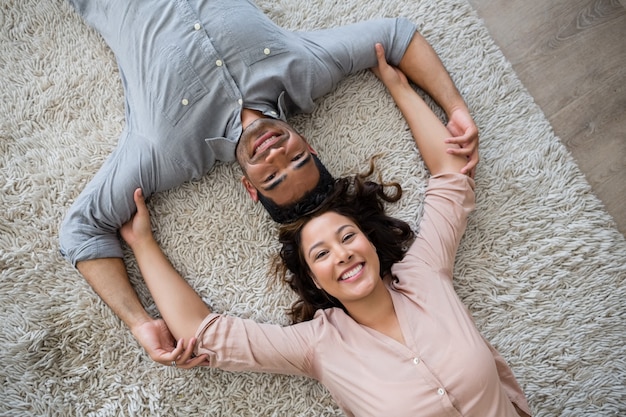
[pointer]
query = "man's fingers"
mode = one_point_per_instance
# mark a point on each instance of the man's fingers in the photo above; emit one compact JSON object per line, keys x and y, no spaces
{"x":197,"y":361}
{"x":468,"y":152}
{"x":470,"y":168}
{"x":184,"y":355}
{"x":461,"y":151}
{"x":460,"y":140}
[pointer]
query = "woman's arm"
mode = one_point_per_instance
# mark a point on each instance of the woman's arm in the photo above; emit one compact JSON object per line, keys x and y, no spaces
{"x":428,"y":131}
{"x":181,"y":307}
{"x":422,"y":65}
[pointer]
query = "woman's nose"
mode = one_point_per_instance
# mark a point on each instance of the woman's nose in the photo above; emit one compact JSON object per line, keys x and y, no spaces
{"x":344,"y":255}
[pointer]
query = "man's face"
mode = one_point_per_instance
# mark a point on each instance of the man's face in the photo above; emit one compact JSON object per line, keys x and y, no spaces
{"x":277,"y":162}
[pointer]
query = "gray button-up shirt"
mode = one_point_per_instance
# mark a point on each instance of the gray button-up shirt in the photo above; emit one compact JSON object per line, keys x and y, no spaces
{"x":188,"y":67}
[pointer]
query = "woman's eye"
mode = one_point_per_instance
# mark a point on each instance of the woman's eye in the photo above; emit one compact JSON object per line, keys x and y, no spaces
{"x":348,"y":236}
{"x":320,"y":254}
{"x":297,"y":157}
{"x":270,"y":177}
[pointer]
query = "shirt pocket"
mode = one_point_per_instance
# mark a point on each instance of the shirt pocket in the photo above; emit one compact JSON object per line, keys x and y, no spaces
{"x":177,"y":85}
{"x":266,"y":49}
{"x":251,"y":33}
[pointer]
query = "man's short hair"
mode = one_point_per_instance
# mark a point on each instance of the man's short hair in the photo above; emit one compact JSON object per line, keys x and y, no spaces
{"x":309,"y":202}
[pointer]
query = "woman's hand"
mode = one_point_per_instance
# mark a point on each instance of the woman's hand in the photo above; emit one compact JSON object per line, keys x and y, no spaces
{"x":138,"y":228}
{"x":391,"y":77}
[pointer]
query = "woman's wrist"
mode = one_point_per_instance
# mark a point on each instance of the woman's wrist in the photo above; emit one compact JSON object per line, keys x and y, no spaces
{"x":143,"y":244}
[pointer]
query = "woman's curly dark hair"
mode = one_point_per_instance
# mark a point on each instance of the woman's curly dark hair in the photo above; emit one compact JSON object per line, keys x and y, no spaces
{"x":363,"y":202}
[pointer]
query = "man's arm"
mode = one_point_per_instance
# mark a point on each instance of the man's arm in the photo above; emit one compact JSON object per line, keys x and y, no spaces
{"x":350,"y":48}
{"x":88,"y":239}
{"x":344,"y":50}
{"x":422,"y":65}
{"x":109,"y":279}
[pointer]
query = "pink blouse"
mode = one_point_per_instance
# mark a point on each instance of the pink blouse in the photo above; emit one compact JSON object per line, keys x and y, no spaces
{"x":446,"y":367}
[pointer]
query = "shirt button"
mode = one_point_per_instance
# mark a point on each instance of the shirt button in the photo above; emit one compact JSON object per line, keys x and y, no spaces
{"x":219,"y":63}
{"x":441,"y":391}
{"x":266,"y":51}
{"x":273,"y":113}
{"x":184,"y":102}
{"x":416,"y":361}
{"x":240,"y":101}
{"x":197,"y":26}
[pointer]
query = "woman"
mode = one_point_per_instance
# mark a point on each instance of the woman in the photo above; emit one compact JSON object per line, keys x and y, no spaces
{"x":379,"y":325}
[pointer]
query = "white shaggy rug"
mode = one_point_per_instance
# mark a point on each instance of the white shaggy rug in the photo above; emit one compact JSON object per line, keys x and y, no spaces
{"x":542,"y":266}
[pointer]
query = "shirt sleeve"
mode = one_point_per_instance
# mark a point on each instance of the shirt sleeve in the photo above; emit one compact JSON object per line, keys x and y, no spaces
{"x":89,"y":230}
{"x":347,"y":49}
{"x":448,"y":200}
{"x":236,"y":344}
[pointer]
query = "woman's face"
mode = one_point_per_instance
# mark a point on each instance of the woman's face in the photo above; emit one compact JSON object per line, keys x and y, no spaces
{"x":342,"y":260}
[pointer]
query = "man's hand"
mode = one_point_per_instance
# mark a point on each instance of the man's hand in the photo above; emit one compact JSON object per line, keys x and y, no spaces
{"x":465,"y":134}
{"x":156,"y":339}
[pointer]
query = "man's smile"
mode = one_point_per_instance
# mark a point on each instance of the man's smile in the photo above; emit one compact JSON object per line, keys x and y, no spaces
{"x":265,"y":141}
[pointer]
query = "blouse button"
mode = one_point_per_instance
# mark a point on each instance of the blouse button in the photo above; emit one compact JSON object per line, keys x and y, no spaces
{"x":416,"y":361}
{"x":441,"y":391}
{"x":219,"y":63}
{"x":240,"y":101}
{"x":266,"y":51}
{"x":184,"y":102}
{"x":197,"y":26}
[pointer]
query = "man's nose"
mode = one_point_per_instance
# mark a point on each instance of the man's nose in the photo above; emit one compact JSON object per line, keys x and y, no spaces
{"x":275,"y":153}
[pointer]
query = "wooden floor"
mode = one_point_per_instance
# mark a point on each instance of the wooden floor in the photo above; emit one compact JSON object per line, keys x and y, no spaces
{"x":571,"y":56}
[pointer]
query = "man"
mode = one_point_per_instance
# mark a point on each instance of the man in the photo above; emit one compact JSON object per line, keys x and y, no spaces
{"x":202,"y":78}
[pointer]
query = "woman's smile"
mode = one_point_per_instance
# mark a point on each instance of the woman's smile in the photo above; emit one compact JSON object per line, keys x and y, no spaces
{"x":352,"y":274}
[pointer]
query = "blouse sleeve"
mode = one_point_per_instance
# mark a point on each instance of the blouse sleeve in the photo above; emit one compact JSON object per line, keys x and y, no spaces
{"x":449,"y":199}
{"x":237,"y":344}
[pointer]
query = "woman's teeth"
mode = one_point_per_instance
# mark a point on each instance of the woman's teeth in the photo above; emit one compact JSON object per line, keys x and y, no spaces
{"x":351,"y":272}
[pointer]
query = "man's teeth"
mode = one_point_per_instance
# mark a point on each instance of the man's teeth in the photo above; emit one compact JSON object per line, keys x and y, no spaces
{"x":262,"y":145}
{"x":351,"y":272}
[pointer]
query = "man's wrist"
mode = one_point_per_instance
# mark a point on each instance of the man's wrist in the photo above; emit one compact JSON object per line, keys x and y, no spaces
{"x":138,"y":322}
{"x":456,"y":107}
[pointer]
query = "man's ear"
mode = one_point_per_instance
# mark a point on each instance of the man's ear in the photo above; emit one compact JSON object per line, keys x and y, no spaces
{"x":313,"y":151}
{"x":252,"y":191}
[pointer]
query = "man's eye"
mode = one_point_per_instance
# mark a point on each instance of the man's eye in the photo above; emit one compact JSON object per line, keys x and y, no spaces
{"x":270,"y":177}
{"x":298,"y":157}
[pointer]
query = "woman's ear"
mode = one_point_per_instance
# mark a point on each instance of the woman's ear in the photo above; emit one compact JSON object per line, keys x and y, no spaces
{"x":314,"y":281}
